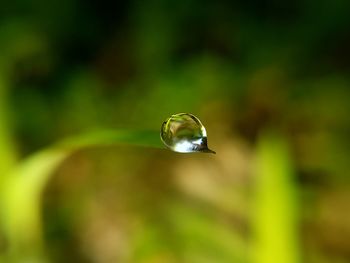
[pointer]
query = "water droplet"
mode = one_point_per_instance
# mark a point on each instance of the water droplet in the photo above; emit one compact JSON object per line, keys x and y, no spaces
{"x":183,"y":132}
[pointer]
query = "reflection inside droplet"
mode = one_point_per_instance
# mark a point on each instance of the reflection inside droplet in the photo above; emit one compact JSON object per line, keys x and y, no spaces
{"x":184,"y":133}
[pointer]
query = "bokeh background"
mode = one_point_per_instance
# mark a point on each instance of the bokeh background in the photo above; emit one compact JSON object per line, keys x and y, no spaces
{"x":269,"y":80}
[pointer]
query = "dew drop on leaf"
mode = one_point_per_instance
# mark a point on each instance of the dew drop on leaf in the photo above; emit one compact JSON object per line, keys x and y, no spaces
{"x":183,"y":132}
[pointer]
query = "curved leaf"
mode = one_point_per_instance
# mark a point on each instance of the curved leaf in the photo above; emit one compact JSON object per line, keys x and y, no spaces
{"x":27,"y":181}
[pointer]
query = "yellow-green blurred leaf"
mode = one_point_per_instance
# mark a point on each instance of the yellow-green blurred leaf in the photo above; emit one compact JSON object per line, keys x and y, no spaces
{"x":275,"y":211}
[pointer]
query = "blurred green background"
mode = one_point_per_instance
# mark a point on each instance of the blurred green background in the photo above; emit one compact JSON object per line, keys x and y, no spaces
{"x":269,"y":80}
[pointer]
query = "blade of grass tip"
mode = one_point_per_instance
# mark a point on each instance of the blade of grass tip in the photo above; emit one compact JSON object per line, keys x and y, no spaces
{"x":110,"y":137}
{"x":23,"y":192}
{"x":275,"y":212}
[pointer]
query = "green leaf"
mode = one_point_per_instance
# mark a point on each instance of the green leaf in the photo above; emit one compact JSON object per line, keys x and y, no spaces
{"x":22,"y":195}
{"x":275,"y":220}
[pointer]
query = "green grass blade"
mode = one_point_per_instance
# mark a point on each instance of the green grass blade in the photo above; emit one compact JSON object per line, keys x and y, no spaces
{"x":23,"y":191}
{"x":112,"y":137}
{"x":7,"y":151}
{"x":275,"y":221}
